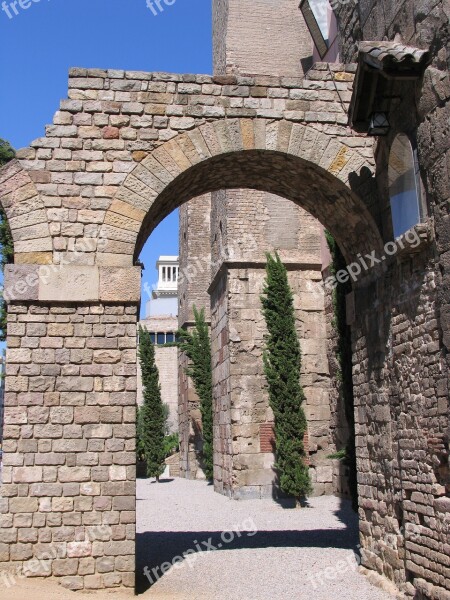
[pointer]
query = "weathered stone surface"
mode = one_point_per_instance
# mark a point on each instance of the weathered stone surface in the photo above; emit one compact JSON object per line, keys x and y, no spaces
{"x":68,"y":284}
{"x":21,"y":282}
{"x":120,"y":284}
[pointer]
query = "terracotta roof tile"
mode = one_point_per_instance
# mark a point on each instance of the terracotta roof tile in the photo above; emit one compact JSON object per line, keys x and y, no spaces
{"x":379,"y":54}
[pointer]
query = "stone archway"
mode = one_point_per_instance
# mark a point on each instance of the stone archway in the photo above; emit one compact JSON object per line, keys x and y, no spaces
{"x":79,"y":220}
{"x":124,"y":150}
{"x":241,"y":156}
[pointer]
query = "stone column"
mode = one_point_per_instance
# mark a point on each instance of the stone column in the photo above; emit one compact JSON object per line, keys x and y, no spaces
{"x":68,"y":495}
{"x":195,"y":274}
{"x":244,"y":225}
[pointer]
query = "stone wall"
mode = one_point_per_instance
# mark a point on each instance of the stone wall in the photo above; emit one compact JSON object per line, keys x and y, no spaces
{"x":238,"y":253}
{"x":222,"y":423}
{"x":68,"y":475}
{"x":195,"y":269}
{"x":241,"y":31}
{"x":245,"y":224}
{"x":195,"y":258}
{"x":401,"y":413}
{"x":127,"y":148}
{"x":244,"y":461}
{"x":407,"y":345}
{"x":2,"y":397}
{"x":166,"y":359}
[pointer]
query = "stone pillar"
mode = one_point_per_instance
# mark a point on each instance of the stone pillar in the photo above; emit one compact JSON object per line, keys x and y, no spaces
{"x":68,"y":495}
{"x":244,"y":226}
{"x":195,"y":273}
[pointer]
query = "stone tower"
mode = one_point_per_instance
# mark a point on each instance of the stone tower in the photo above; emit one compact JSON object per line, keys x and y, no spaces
{"x":245,"y":224}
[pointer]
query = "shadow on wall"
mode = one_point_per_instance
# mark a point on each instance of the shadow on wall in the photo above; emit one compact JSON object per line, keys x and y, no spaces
{"x":154,"y":548}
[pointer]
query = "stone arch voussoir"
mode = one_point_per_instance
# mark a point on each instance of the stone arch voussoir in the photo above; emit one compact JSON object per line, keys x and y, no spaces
{"x":27,"y":215}
{"x":290,"y":159}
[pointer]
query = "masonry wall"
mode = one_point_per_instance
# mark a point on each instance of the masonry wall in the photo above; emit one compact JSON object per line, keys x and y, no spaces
{"x":411,"y":493}
{"x":195,"y":258}
{"x":401,"y":396}
{"x":245,"y":224}
{"x":222,"y":423}
{"x":244,"y":227}
{"x":68,"y":495}
{"x":195,"y":273}
{"x":401,"y":387}
{"x":166,"y":359}
{"x":241,"y":31}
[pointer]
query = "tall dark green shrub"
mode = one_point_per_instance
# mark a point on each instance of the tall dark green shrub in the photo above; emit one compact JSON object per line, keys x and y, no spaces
{"x":6,"y":242}
{"x":344,"y":358}
{"x":282,"y":365}
{"x":152,"y":416}
{"x":197,"y":346}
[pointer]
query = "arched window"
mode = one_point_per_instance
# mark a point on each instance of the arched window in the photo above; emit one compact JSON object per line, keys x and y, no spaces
{"x":404,"y":185}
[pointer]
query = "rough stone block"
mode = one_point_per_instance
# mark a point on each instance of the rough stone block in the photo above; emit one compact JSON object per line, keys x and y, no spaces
{"x":21,"y":282}
{"x":70,"y":283}
{"x":122,"y":284}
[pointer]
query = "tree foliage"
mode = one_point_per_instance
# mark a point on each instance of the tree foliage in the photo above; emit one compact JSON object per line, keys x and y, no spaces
{"x":152,"y":415}
{"x":6,"y":242}
{"x":197,"y":346}
{"x":344,"y":358}
{"x":282,"y":365}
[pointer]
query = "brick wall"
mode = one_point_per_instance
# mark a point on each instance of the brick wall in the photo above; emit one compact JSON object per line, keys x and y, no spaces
{"x":245,"y":224}
{"x":403,"y":429}
{"x":241,"y":32}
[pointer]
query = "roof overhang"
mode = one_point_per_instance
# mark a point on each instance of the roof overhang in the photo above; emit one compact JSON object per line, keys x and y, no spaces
{"x":380,"y":65}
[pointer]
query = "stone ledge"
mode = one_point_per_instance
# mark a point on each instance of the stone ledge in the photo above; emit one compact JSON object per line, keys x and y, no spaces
{"x":71,"y":283}
{"x":243,"y":265}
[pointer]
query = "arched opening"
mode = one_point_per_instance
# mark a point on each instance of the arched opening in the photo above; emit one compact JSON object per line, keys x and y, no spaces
{"x":320,"y":193}
{"x":295,"y":180}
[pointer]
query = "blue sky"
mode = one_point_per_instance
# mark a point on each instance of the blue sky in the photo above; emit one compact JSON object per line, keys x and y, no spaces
{"x":41,"y":43}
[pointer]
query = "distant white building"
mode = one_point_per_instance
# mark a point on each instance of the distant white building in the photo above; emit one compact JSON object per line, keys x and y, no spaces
{"x":164,"y":300}
{"x":161,"y":320}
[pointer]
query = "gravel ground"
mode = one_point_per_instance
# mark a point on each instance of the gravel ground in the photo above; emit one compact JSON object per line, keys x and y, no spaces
{"x":279,"y":553}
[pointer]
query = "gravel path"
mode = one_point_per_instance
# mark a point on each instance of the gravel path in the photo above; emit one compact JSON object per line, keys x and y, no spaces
{"x":278,"y":554}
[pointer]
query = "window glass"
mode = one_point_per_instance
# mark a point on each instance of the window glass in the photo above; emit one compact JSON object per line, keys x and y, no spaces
{"x":170,"y":337}
{"x":161,"y":338}
{"x":320,"y":9}
{"x":321,"y":22}
{"x":404,"y":185}
{"x":153,"y":337}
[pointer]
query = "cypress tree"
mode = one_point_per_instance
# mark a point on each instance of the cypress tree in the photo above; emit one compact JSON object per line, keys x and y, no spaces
{"x":197,"y":346}
{"x":6,"y":242}
{"x":282,"y":365}
{"x":152,"y":417}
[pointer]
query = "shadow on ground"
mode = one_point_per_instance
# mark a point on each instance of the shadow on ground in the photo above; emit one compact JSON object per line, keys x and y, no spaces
{"x":153,"y":549}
